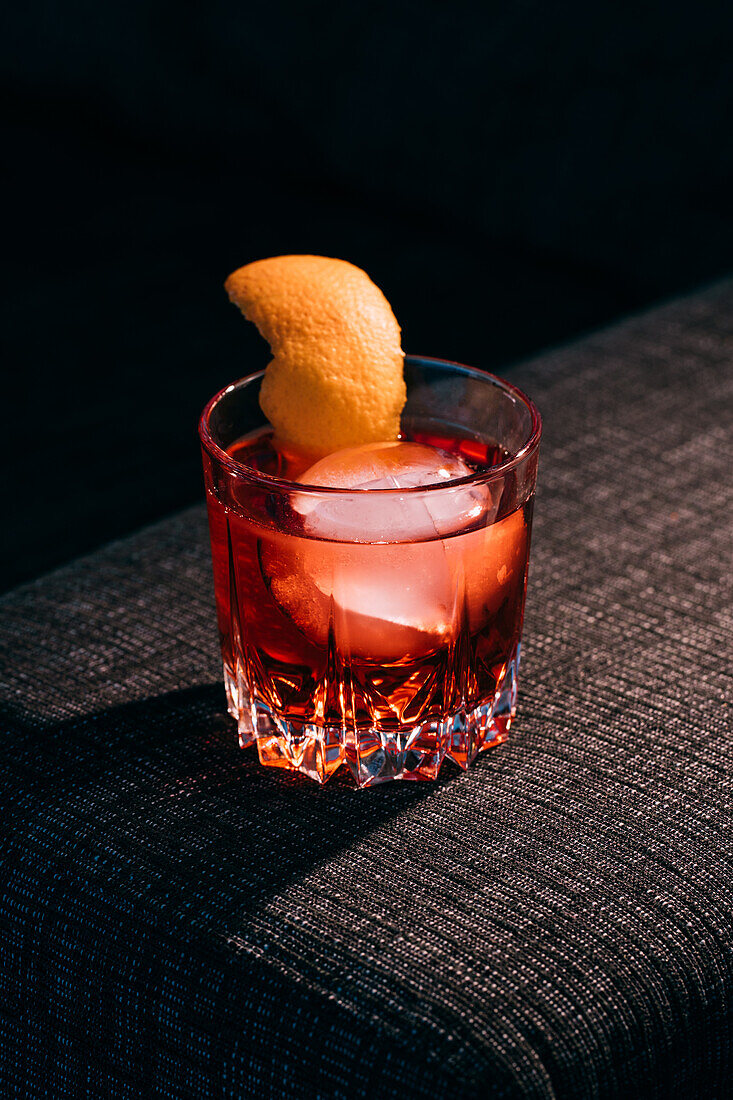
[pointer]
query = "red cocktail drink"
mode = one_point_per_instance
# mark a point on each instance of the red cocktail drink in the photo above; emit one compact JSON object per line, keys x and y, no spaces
{"x":370,"y":605}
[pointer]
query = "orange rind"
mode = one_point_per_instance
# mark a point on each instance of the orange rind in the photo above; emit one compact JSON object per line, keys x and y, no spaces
{"x":336,"y":377}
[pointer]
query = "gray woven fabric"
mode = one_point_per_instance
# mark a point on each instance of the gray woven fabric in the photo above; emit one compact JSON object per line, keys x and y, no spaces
{"x":556,"y":922}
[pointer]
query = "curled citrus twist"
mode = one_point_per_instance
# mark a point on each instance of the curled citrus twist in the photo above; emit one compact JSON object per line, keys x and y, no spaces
{"x":336,"y":377}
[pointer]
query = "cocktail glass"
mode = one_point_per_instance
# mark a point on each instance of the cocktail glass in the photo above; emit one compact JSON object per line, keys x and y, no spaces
{"x":379,"y":628}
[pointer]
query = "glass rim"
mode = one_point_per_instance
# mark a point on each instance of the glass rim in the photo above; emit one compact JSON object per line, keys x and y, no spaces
{"x":284,"y":484}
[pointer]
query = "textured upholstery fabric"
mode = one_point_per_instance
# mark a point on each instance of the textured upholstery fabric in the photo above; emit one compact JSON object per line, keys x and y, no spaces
{"x":556,"y":922}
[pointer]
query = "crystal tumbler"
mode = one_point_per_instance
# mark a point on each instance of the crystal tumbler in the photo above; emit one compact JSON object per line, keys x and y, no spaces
{"x":374,"y":627}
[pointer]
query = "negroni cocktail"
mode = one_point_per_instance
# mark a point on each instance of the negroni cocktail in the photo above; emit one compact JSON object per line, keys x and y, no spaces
{"x":370,"y":599}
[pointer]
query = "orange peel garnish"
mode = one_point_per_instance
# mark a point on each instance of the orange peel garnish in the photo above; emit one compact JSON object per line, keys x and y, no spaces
{"x":336,"y":377}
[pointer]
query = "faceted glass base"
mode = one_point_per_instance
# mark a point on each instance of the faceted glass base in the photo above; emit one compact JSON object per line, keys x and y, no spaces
{"x":373,"y":755}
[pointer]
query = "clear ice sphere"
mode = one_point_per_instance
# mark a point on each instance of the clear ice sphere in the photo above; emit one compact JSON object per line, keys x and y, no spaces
{"x":392,"y":516}
{"x":388,"y":574}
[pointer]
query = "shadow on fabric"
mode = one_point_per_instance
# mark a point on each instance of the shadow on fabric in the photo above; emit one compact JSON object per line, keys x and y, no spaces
{"x":158,"y":792}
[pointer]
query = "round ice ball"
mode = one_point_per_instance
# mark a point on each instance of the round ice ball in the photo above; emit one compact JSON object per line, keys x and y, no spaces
{"x":373,"y":515}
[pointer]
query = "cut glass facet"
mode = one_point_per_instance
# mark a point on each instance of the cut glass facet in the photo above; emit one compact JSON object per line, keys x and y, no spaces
{"x":373,"y":754}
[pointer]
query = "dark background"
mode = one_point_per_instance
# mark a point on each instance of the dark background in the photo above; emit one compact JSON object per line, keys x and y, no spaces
{"x":510,"y":176}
